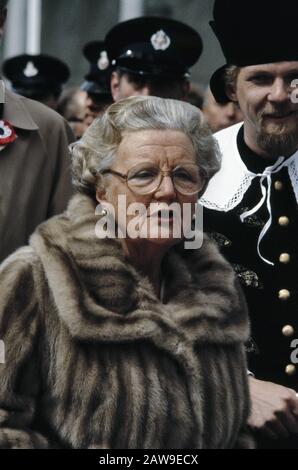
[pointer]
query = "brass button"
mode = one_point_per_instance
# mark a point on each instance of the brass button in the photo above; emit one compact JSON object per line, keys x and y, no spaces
{"x":278,"y":185}
{"x":290,"y":369}
{"x":284,"y":258}
{"x":288,"y":331}
{"x":283,"y":221}
{"x":284,"y":294}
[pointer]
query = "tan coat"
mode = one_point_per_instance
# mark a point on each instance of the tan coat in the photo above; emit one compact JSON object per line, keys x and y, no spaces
{"x":35,"y":181}
{"x":95,"y":360}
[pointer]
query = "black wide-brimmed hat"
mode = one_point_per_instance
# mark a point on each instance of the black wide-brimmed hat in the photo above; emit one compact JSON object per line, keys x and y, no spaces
{"x":154,"y":47}
{"x":97,"y":80}
{"x":253,"y":32}
{"x":36,"y":75}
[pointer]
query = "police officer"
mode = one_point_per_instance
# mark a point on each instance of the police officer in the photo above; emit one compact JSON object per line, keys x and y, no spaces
{"x":152,"y":56}
{"x":39,"y":77}
{"x":97,"y":80}
{"x":251,"y":203}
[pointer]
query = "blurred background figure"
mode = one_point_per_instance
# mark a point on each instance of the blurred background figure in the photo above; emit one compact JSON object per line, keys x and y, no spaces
{"x":35,"y":179}
{"x":196,"y":95}
{"x":72,"y":105}
{"x":220,"y":115}
{"x":97,"y":80}
{"x":39,"y":77}
{"x":40,"y":26}
{"x":152,"y":56}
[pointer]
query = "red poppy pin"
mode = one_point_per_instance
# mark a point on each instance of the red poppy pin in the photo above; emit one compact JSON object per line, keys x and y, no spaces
{"x":7,"y":133}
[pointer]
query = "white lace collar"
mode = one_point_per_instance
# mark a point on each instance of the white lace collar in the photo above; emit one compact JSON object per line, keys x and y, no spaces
{"x":227,"y":188}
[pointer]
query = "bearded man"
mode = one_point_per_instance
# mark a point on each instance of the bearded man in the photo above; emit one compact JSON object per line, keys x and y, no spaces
{"x":251,"y":203}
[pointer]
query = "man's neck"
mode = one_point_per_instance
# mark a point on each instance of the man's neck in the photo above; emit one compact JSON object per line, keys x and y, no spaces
{"x":251,"y":159}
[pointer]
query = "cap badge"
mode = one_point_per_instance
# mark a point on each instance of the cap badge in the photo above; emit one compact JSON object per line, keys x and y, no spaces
{"x":30,"y":70}
{"x":103,"y":61}
{"x":160,"y":40}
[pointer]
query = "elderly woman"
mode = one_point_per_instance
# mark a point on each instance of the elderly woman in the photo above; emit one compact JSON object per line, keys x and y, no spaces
{"x":128,"y":342}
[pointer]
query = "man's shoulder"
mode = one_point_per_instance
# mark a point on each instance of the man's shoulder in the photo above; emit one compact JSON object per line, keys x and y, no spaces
{"x":40,"y":111}
{"x":27,"y":112}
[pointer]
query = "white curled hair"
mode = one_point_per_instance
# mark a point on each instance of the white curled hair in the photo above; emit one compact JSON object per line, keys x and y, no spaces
{"x":95,"y":151}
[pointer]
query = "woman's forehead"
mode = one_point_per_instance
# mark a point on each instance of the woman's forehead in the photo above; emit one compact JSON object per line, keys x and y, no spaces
{"x":154,"y":143}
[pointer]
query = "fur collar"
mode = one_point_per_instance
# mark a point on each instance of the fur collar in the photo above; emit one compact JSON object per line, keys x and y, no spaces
{"x":100,"y":297}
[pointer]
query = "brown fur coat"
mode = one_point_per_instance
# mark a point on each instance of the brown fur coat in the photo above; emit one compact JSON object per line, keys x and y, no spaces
{"x":95,"y":360}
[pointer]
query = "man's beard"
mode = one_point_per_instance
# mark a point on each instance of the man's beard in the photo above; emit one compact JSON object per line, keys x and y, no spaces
{"x":277,"y":139}
{"x":276,"y":145}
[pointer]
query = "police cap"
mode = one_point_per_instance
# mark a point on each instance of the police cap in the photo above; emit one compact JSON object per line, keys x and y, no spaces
{"x":34,"y":75}
{"x":154,"y":46}
{"x":97,"y":80}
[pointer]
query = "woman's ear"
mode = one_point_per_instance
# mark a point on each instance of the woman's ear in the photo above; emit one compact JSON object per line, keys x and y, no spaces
{"x":101,"y":195}
{"x":100,"y":188}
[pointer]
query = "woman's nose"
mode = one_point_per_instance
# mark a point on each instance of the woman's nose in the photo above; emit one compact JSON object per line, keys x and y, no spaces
{"x":166,"y":190}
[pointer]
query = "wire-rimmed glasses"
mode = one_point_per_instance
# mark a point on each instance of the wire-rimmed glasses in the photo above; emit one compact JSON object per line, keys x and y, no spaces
{"x":145,"y":178}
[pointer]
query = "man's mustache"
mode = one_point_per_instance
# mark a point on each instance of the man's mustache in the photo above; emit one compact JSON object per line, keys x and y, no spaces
{"x":277,"y":111}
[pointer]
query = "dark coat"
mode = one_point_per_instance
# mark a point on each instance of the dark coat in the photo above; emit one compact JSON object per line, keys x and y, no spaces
{"x":95,"y":360}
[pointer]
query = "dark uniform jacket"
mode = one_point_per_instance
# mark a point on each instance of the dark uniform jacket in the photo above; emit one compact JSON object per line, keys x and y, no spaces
{"x":95,"y":360}
{"x":271,"y":289}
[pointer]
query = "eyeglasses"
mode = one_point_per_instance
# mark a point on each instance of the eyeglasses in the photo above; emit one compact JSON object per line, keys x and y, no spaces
{"x":146,"y":178}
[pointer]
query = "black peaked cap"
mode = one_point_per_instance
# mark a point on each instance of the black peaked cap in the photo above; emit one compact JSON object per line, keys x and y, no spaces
{"x":154,"y":46}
